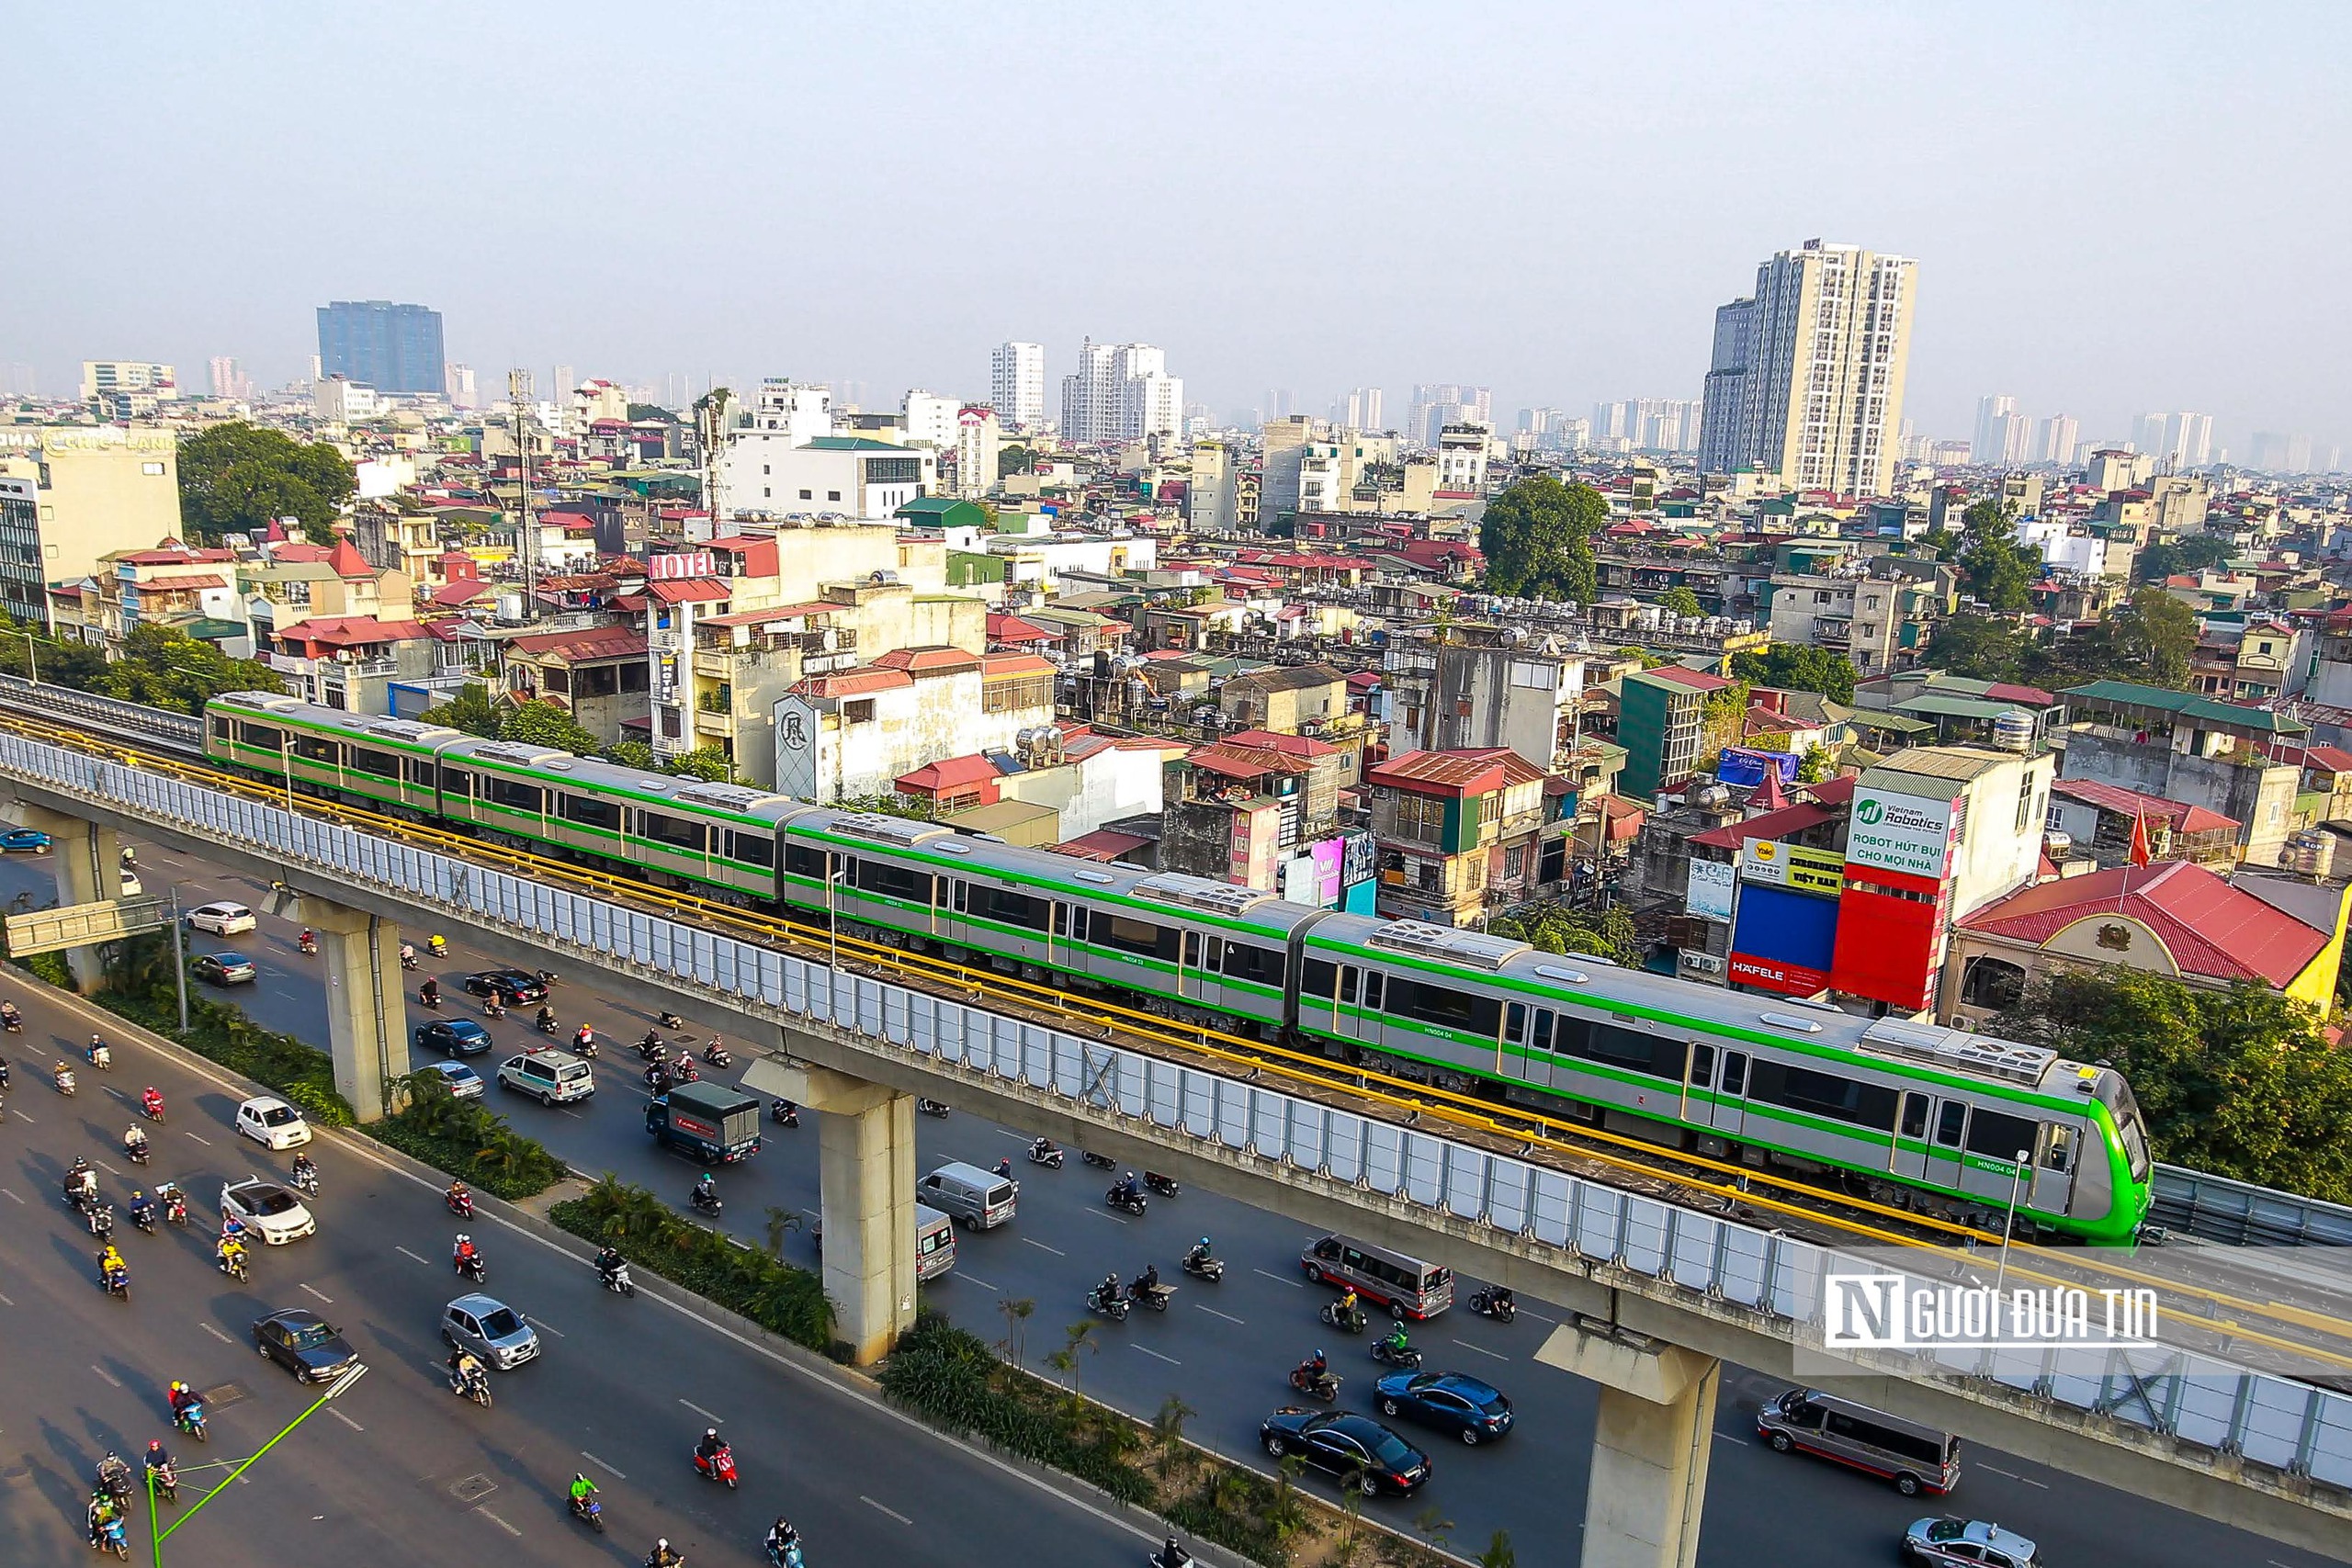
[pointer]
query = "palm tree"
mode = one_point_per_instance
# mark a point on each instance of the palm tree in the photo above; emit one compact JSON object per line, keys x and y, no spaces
{"x":1168,"y":1431}
{"x":1498,"y":1552}
{"x":1016,"y":1312}
{"x":1065,"y":1361}
{"x":781,"y":1221}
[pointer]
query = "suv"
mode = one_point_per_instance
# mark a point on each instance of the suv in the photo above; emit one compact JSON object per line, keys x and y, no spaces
{"x":551,"y":1078}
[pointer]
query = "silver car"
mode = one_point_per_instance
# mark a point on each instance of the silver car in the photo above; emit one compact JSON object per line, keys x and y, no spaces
{"x":1948,"y":1542}
{"x":490,"y":1330}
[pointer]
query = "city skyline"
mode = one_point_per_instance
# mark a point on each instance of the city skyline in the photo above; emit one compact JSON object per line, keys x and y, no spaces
{"x":1537,"y":299}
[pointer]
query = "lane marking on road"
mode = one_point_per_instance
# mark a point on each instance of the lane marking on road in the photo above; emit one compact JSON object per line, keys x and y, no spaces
{"x":974,"y":1279}
{"x":600,"y":1464}
{"x":1213,"y":1313}
{"x":543,"y":1323}
{"x":199,"y":1137}
{"x":1997,"y":1470}
{"x":1283,"y":1280}
{"x":21,"y":1116}
{"x":1727,"y":1438}
{"x":321,"y":1294}
{"x":1041,"y":1247}
{"x":5,"y":1302}
{"x":10,"y":1196}
{"x":215,"y":1334}
{"x":405,"y":1252}
{"x":501,"y":1524}
{"x":104,"y":1167}
{"x":1106,"y":1214}
{"x":347,"y":1420}
{"x":573,"y":1114}
{"x":1156,"y":1354}
{"x":105,"y":1374}
{"x":1497,"y":1355}
{"x":713,"y":1420}
{"x":880,"y":1510}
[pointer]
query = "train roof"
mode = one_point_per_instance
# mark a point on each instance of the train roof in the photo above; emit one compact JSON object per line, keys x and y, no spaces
{"x":560,"y":767}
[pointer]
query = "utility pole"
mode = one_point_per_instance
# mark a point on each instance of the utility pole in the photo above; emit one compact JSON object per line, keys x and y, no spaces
{"x":518,"y":393}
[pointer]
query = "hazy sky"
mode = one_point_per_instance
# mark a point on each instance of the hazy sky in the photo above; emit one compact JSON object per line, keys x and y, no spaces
{"x":2115,"y":208}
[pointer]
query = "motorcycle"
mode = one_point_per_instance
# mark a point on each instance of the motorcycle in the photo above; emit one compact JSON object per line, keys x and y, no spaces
{"x":14,"y":1022}
{"x":306,"y":1178}
{"x":63,"y":1080}
{"x":145,"y":1219}
{"x":99,"y":1056}
{"x":619,"y":1281}
{"x":551,"y":1026}
{"x":1115,"y":1308}
{"x":1388,"y":1353}
{"x":175,"y":1203}
{"x":1347,"y":1320}
{"x":189,"y":1419}
{"x":307,"y":946}
{"x":684,"y":1069}
{"x":1163,"y":1185}
{"x":1160,"y":1560}
{"x":137,"y":1154}
{"x":784,"y":1113}
{"x":1497,"y":1305}
{"x":789,"y":1557}
{"x":650,"y":1048}
{"x":152,"y":1107}
{"x":1131,"y":1202}
{"x":407,"y":959}
{"x":492,"y":1008}
{"x":704,"y":1203}
{"x":101,"y":1219}
{"x":931,"y":1107}
{"x":114,"y":1478}
{"x":429,"y":998}
{"x":472,"y":1385}
{"x":459,"y":1203}
{"x":672,"y":1020}
{"x":1325,"y":1386}
{"x":1050,"y":1156}
{"x":718,"y":1055}
{"x":719,"y":1466}
{"x":584,"y":1047}
{"x":167,"y":1483}
{"x":658,"y":1078}
{"x":589,"y":1512}
{"x":117,"y":1283}
{"x":471,"y":1265}
{"x":1156,"y":1297}
{"x":1105,"y":1161}
{"x":111,"y":1538}
{"x":235,"y":1266}
{"x":1209,"y":1268}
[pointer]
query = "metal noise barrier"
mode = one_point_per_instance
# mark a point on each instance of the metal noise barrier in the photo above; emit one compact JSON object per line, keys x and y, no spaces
{"x":2279,"y":1422}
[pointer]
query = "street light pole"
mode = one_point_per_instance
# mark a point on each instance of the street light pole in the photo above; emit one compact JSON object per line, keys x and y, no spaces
{"x":2017,"y":1179}
{"x":341,"y":1385}
{"x":179,"y":962}
{"x":33,"y":660}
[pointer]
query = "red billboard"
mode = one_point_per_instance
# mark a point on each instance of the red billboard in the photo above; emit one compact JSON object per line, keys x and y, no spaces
{"x":1888,"y":947}
{"x":1771,"y":974}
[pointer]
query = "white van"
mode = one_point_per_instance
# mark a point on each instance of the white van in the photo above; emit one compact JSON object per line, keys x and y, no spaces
{"x":551,"y":1078}
{"x":978,"y":1199}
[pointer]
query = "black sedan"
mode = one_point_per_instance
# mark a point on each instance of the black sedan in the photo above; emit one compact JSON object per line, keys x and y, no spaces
{"x":304,"y":1344}
{"x":1358,"y":1450}
{"x":1471,"y":1410}
{"x":516,"y":987}
{"x":453,"y":1037}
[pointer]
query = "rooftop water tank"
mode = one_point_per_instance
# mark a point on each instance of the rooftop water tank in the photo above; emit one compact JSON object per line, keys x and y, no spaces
{"x":2013,"y":731}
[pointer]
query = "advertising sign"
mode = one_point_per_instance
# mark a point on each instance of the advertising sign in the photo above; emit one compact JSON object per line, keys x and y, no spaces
{"x":679,"y":564}
{"x":1710,"y":884}
{"x":1900,"y":832}
{"x":1771,"y":974}
{"x":1793,"y":866}
{"x":1785,"y":940}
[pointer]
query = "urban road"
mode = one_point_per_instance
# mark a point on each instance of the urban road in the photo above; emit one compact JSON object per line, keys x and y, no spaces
{"x":1222,"y":1348}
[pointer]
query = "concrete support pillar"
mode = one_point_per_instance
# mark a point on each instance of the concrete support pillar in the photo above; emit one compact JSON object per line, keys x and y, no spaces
{"x":89,"y":871}
{"x":865,"y":1173}
{"x":367,"y":1010}
{"x":1650,"y":1447}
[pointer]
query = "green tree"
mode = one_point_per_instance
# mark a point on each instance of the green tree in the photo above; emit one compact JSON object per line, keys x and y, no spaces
{"x":1015,"y":460}
{"x":1796,"y":667}
{"x":1977,"y":648}
{"x":1815,"y":765}
{"x":1993,"y":565}
{"x":631,"y":754}
{"x":651,"y":411}
{"x":1723,"y":721}
{"x":163,"y":667}
{"x":1680,"y":600}
{"x":1537,"y":538}
{"x":1554,"y":927}
{"x":471,"y":710}
{"x":2155,"y":633}
{"x":543,"y":724}
{"x":74,"y":664}
{"x":238,"y":476}
{"x":2181,"y":557}
{"x":2238,"y":1082}
{"x":709,"y":763}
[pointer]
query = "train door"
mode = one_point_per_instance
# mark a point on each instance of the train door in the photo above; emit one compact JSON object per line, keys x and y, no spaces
{"x":2052,"y":1182}
{"x":1945,"y":1160}
{"x":1908,"y":1157}
{"x":1197,"y":969}
{"x":1526,"y":1029}
{"x":1731,"y":1093}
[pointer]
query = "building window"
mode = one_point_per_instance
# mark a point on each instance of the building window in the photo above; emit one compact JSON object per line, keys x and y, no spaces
{"x":807,"y":495}
{"x":1420,"y":817}
{"x":858,"y":712}
{"x":832,"y":495}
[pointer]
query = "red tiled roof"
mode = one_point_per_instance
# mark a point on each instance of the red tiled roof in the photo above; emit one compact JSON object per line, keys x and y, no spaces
{"x":2183,"y":819}
{"x":1105,"y":844}
{"x":1004,"y":665}
{"x":301,"y":555}
{"x":2212,"y":928}
{"x":1697,"y":680}
{"x":186,"y":580}
{"x":2328,"y":760}
{"x":1832,"y":791}
{"x":928,"y":661}
{"x":2005,"y":691}
{"x":1288,"y":745}
{"x":1772,"y":825}
{"x":690,"y":589}
{"x":947,"y":773}
{"x":1454,"y":772}
{"x":1012,"y":628}
{"x":851,"y":683}
{"x":459,"y":591}
{"x":347,"y":560}
{"x":1242,"y":762}
{"x":348,"y":631}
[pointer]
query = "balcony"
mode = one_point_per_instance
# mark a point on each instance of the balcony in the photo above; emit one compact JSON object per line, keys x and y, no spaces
{"x":714,"y":666}
{"x":719,"y":726}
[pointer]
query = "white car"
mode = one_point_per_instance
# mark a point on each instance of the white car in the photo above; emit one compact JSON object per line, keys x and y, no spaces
{"x":270,"y":1210}
{"x":222,"y":920}
{"x":271,"y":1122}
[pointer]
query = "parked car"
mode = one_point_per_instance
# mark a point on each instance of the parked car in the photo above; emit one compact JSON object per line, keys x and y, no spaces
{"x":463,"y":1081}
{"x":453,"y":1037}
{"x":1941,"y":1543}
{"x":222,"y":920}
{"x":490,"y":1330}
{"x":271,"y":1210}
{"x":30,"y":840}
{"x":1473,"y":1410}
{"x":1356,"y":1450}
{"x":516,"y":987}
{"x":305,"y":1344}
{"x":271,"y":1122}
{"x":224,"y":968}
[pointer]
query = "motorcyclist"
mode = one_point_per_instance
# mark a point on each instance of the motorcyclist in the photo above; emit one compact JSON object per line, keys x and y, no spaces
{"x":159,"y":1463}
{"x":1042,"y":1148}
{"x":1395,"y":1342}
{"x":781,"y":1537}
{"x":102,"y":1514}
{"x":651,"y":1042}
{"x":142,"y":1208}
{"x":663,"y":1557}
{"x":1129,"y":1190}
{"x":111,"y":1262}
{"x":304,"y":1171}
{"x":152,"y":1101}
{"x":60,"y":1074}
{"x":439,"y":944}
{"x":546,"y":1019}
{"x":1110,"y":1288}
{"x":232,"y":1229}
{"x":608,"y":1262}
{"x":114,"y":1476}
{"x":712,"y":1445}
{"x":1315,"y":1368}
{"x":182,"y":1398}
{"x":1149,"y":1281}
{"x":491,"y":1007}
{"x":429,"y":993}
{"x":9,"y":1016}
{"x":582,"y":1489}
{"x":308,"y":942}
{"x":82,"y":1182}
{"x":465,"y":1370}
{"x":1004,"y":1169}
{"x":1346,"y":1307}
{"x":1200,"y":1253}
{"x":1172,"y":1556}
{"x":97,"y":1051}
{"x":457,"y":1196}
{"x":465,"y":1256}
{"x":134,"y":1141}
{"x":229,"y":1253}
{"x":583,"y":1039}
{"x":706,"y":1189}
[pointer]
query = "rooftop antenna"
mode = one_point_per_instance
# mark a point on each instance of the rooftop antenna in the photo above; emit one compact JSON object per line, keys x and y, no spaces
{"x":518,"y":393}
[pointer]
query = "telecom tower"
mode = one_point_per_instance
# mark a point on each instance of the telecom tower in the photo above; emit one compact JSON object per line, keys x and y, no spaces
{"x":518,"y":394}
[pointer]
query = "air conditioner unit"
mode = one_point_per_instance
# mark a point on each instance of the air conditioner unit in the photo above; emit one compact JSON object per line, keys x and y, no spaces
{"x":1701,"y":962}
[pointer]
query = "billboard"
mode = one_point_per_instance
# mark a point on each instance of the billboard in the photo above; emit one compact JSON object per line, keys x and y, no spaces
{"x":674,"y":564}
{"x":1783,"y":942}
{"x":1901,"y":832}
{"x":1743,"y":766}
{"x":1709,"y":893}
{"x":1889,"y":948}
{"x":1793,"y":866}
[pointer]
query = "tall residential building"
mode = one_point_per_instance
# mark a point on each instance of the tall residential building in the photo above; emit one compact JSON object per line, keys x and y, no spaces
{"x":2280,"y":452}
{"x":229,"y":379}
{"x":1121,"y":392}
{"x":458,"y":387}
{"x":2055,"y":439}
{"x":930,"y":419}
{"x":1017,"y":385}
{"x":2003,"y":434}
{"x":394,"y":348}
{"x":1726,"y":387}
{"x":1360,"y":410}
{"x":1091,"y":394}
{"x":2177,"y":441}
{"x":123,"y":390}
{"x":1437,"y":404}
{"x":1822,"y":395}
{"x":978,"y":442}
{"x":1281,"y":403}
{"x":1648,"y":424}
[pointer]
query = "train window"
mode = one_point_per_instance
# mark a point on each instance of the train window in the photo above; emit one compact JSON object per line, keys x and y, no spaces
{"x":1515,"y":1023}
{"x":1191,"y":950}
{"x":1735,"y":1073}
{"x":675,"y":831}
{"x":1542,"y":1037}
{"x":588,"y":811}
{"x":456,"y":781}
{"x":1061,"y":919}
{"x":515,"y":796}
{"x":1824,"y":1094}
{"x":382,"y":764}
{"x":260,"y":735}
{"x":1702,"y":1064}
{"x":1998,"y":1137}
{"x":1915,"y":1115}
{"x":752,"y":849}
{"x":800,"y":860}
{"x":1128,"y":934}
{"x":420,"y":772}
{"x":963,"y":897}
{"x":2060,"y":1151}
{"x":220,"y":728}
{"x":1373,"y":983}
{"x":943,"y":891}
{"x":1634,"y":1050}
{"x":1444,"y":1006}
{"x":1003,"y":905}
{"x":1951,"y":1119}
{"x":889,"y":880}
{"x":1318,"y":977}
{"x":1260,"y":966}
{"x":317,"y":748}
{"x":1079,"y":922}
